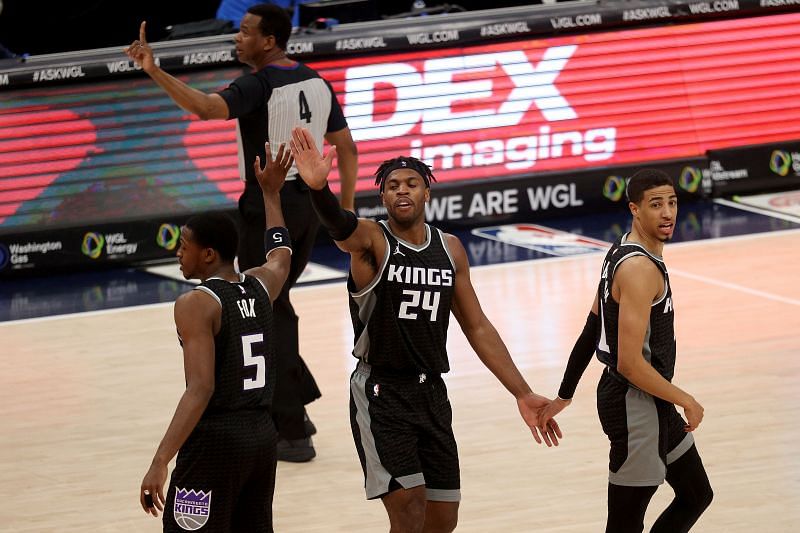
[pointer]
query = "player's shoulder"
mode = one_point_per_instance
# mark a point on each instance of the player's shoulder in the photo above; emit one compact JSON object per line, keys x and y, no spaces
{"x":637,"y":265}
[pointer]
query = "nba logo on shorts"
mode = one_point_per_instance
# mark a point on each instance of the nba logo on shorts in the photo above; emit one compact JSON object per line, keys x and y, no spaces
{"x":192,"y":508}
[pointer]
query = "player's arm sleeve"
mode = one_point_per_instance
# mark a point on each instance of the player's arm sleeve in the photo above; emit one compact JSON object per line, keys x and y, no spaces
{"x":244,"y":95}
{"x":579,"y":358}
{"x":339,"y":222}
{"x":336,"y":120}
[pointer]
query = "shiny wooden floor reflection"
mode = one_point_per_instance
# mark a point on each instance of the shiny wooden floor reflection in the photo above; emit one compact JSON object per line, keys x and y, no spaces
{"x":84,"y":400}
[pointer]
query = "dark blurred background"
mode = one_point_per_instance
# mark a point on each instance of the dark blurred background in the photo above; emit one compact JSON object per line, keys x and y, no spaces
{"x":31,"y":27}
{"x":44,"y":27}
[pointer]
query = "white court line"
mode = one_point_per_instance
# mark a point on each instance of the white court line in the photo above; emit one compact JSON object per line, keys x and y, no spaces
{"x":518,"y":264}
{"x":736,"y":287}
{"x":760,"y":211}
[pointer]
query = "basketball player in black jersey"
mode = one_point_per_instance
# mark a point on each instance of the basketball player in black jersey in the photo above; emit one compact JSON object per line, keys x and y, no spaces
{"x":405,"y":279}
{"x":224,"y":477}
{"x":631,"y":328}
{"x":278,"y":95}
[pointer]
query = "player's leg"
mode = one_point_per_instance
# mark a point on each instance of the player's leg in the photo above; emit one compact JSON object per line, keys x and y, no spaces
{"x":406,"y":509}
{"x":630,"y":419}
{"x":626,"y":508}
{"x":693,"y":494}
{"x":201,"y":487}
{"x":439,"y":457}
{"x":253,"y":511}
{"x":441,"y":517}
{"x":382,"y":415}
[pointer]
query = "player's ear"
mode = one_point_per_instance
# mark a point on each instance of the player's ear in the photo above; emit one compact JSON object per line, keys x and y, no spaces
{"x":634,"y":208}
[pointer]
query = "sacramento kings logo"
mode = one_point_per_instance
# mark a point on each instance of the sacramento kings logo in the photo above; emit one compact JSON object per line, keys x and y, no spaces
{"x":192,"y":508}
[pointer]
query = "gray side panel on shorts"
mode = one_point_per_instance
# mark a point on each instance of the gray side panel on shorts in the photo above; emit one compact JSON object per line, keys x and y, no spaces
{"x":643,"y":466}
{"x":377,"y":476}
{"x":676,"y":453}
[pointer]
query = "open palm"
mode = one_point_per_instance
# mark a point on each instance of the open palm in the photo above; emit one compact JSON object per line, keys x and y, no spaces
{"x":313,"y":168}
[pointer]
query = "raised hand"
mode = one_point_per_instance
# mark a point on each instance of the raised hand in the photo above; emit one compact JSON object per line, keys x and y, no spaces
{"x":313,"y":168}
{"x":531,"y":407}
{"x":273,"y":175}
{"x":140,"y":52}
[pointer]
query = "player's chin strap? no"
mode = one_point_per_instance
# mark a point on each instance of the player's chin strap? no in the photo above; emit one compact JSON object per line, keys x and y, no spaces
{"x":275,"y":238}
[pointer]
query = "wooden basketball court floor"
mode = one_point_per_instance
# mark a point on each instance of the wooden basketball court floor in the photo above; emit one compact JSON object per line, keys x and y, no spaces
{"x":84,"y":400}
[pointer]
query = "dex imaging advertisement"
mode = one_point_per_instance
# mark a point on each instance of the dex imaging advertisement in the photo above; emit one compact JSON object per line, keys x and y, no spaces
{"x":102,"y":151}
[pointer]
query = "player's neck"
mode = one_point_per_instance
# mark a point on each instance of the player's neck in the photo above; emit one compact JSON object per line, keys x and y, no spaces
{"x":652,"y":244}
{"x":223,"y":271}
{"x":413,"y":232}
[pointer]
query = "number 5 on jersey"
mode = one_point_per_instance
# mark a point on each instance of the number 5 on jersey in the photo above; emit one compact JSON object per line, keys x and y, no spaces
{"x":250,"y":360}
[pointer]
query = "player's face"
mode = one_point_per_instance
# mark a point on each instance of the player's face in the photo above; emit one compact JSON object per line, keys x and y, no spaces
{"x":404,"y":195}
{"x":189,"y":254}
{"x":249,"y":41}
{"x":657,"y":212}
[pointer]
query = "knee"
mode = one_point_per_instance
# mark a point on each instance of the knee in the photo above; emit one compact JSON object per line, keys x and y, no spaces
{"x":409,"y":517}
{"x":704,"y":499}
{"x":446,"y":525}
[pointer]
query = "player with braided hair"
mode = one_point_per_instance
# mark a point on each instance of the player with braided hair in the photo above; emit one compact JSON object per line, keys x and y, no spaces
{"x":405,"y":279}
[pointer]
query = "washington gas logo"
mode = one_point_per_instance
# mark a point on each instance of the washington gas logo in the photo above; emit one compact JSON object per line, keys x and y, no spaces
{"x":614,"y":188}
{"x":92,"y":245}
{"x":168,"y":236}
{"x":690,"y":179}
{"x":780,"y":162}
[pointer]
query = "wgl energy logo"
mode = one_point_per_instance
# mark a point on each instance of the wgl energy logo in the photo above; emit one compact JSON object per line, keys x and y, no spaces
{"x":168,"y":236}
{"x":781,"y":162}
{"x":92,"y":245}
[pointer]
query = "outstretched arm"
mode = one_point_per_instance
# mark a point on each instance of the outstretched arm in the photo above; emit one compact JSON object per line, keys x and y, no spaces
{"x":491,"y":349}
{"x":205,"y":106}
{"x":351,"y":234}
{"x":271,"y":177}
{"x":579,"y":359}
{"x":195,"y":314}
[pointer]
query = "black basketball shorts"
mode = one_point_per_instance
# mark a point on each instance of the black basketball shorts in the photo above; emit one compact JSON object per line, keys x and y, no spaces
{"x":402,"y":428}
{"x":224,"y":476}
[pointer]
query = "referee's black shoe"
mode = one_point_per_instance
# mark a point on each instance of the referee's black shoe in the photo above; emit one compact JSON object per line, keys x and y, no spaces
{"x":296,"y":450}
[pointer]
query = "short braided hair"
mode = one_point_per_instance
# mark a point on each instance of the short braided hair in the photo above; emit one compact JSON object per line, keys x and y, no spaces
{"x":390,"y":165}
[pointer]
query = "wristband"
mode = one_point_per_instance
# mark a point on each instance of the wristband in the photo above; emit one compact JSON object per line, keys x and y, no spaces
{"x":275,"y":238}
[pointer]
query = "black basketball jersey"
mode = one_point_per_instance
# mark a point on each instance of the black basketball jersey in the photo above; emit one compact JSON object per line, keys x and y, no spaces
{"x":659,"y":341}
{"x":269,"y":103}
{"x":400,"y":319}
{"x":244,"y":366}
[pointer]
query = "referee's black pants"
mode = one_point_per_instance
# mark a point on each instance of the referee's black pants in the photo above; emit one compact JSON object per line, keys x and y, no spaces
{"x":295,"y":386}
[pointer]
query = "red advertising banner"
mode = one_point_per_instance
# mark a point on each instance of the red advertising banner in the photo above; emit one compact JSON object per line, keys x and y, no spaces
{"x":574,"y":102}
